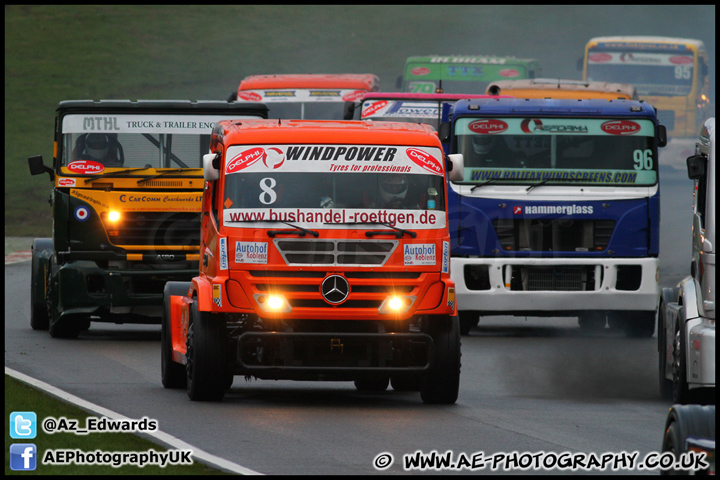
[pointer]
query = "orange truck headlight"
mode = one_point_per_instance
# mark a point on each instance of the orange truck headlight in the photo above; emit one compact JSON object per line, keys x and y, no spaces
{"x":272,"y":303}
{"x":113,"y":216}
{"x":397,"y":304}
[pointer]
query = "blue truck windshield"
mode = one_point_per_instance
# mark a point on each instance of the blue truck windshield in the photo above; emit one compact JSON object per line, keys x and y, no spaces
{"x":581,"y":151}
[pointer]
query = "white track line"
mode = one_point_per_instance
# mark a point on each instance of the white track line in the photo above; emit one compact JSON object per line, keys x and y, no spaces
{"x":165,"y":438}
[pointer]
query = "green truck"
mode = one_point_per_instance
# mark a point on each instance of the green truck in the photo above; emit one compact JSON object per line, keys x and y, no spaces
{"x":462,"y":73}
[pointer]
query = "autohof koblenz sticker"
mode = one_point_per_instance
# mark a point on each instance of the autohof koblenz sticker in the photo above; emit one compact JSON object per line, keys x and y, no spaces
{"x":251,"y":252}
{"x":419,"y":254}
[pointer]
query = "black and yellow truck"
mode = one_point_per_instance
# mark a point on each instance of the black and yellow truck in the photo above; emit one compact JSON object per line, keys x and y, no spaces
{"x":126,"y":199}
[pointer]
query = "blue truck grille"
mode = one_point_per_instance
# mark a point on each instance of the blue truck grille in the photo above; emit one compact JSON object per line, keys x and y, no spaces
{"x":553,"y":235}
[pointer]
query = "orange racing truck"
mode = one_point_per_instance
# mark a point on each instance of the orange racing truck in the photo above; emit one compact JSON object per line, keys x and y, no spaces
{"x":127,"y":188}
{"x":305,"y":96}
{"x":562,"y":88}
{"x":325,"y":256}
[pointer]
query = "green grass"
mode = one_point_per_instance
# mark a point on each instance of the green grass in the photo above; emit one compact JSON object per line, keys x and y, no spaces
{"x":55,"y":53}
{"x":20,"y":397}
{"x":74,"y":52}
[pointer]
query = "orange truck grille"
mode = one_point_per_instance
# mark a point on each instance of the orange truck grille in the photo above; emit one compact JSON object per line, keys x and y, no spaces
{"x":335,"y":252}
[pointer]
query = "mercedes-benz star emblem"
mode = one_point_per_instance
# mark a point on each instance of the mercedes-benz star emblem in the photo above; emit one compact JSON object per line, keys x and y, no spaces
{"x":335,"y":289}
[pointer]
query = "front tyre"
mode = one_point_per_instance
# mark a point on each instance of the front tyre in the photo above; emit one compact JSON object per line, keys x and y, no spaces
{"x":173,"y":374}
{"x":687,"y":421}
{"x":206,"y":351}
{"x":441,"y":383}
{"x":41,"y":252}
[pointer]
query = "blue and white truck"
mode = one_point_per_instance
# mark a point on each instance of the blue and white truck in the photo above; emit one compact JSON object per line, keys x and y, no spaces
{"x":558,"y":214}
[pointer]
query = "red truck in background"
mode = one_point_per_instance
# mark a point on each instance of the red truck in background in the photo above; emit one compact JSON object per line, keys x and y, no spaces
{"x":305,"y":96}
{"x":324,"y":256}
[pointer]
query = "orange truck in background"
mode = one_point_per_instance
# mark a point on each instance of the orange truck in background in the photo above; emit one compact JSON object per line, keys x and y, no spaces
{"x":325,"y":256}
{"x":305,"y":96}
{"x":562,"y":88}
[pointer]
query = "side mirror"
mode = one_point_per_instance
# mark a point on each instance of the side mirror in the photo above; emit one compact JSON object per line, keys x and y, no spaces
{"x":455,"y":167}
{"x":210,"y":171}
{"x":696,"y":166}
{"x":579,"y":63}
{"x":444,"y":132}
{"x":662,"y":136}
{"x":349,"y":111}
{"x":398,"y":82}
{"x":37,"y":167}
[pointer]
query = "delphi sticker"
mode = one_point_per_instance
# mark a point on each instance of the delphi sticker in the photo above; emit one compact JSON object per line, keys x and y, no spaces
{"x":244,"y":159}
{"x":419,"y":254}
{"x":425,"y":160}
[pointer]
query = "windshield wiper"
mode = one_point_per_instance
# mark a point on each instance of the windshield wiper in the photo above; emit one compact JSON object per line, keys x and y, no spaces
{"x":400,"y":231}
{"x":562,"y":180}
{"x":492,"y":180}
{"x":114,"y":174}
{"x":398,"y":234}
{"x":271,"y":233}
{"x":300,"y":231}
{"x":541,"y":182}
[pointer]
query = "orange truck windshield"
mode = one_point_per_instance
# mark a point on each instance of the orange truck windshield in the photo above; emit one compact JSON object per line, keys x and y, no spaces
{"x":329,"y":186}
